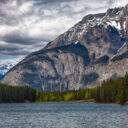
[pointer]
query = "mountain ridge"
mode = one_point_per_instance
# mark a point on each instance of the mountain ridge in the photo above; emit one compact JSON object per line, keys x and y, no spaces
{"x":91,"y":51}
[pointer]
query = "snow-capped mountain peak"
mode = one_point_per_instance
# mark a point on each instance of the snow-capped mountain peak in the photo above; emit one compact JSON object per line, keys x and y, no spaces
{"x":7,"y":64}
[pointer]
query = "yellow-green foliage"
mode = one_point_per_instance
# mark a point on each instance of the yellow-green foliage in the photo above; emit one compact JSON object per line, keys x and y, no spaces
{"x":64,"y":96}
{"x":68,"y":97}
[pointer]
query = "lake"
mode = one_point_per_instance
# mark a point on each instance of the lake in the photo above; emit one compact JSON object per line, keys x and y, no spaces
{"x":63,"y":115}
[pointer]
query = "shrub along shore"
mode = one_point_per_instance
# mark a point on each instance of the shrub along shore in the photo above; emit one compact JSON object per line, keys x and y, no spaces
{"x":111,"y":91}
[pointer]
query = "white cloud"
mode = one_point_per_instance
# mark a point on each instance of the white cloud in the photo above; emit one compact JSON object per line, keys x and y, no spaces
{"x":27,"y":25}
{"x":119,"y":3}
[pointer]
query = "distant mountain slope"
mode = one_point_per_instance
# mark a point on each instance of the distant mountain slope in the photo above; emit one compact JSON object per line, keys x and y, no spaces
{"x":7,"y":63}
{"x":5,"y":67}
{"x":1,"y":76}
{"x":93,"y":50}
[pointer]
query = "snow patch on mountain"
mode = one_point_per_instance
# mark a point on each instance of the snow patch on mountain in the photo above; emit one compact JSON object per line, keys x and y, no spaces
{"x":115,"y":24}
{"x":6,"y":65}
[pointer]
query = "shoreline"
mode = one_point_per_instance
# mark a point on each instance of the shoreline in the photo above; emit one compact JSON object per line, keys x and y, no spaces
{"x":80,"y":101}
{"x":64,"y":102}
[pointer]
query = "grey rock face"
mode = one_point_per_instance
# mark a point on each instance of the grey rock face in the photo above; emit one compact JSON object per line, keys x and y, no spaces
{"x":51,"y":70}
{"x":93,"y":50}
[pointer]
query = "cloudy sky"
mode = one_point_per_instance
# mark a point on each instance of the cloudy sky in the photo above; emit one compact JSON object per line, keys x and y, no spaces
{"x":27,"y":25}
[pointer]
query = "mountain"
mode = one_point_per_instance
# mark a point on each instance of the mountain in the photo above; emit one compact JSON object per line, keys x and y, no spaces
{"x":93,"y":50}
{"x":1,"y":76}
{"x":5,"y":67}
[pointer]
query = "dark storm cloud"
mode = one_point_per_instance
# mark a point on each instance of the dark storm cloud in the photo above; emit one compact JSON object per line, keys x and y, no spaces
{"x":26,"y":25}
{"x":19,"y":50}
{"x":17,"y":38}
{"x":4,"y":48}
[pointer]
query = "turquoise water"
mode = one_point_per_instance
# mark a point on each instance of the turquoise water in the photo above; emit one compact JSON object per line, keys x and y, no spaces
{"x":63,"y":115}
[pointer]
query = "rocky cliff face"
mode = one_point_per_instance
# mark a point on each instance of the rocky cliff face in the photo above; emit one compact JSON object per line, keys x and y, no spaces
{"x":93,"y":50}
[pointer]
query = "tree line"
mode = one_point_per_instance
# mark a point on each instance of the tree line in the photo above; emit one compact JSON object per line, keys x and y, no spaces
{"x":9,"y":94}
{"x":111,"y":91}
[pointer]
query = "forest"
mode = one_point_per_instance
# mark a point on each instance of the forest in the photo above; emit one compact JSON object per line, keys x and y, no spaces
{"x":11,"y":94}
{"x":111,"y":91}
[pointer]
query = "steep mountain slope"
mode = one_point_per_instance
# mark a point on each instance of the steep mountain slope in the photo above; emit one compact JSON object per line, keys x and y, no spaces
{"x":88,"y":53}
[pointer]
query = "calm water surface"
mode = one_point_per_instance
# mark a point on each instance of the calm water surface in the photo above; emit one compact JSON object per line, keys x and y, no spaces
{"x":63,"y":115}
